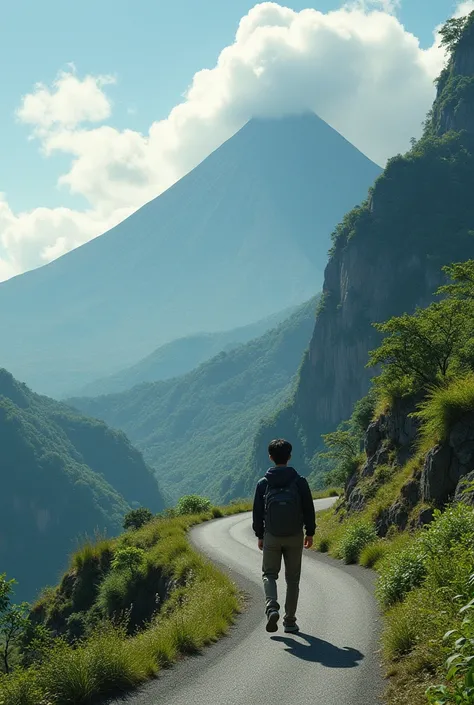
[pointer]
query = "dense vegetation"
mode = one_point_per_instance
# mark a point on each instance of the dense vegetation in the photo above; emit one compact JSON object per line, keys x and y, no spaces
{"x":179,"y":357}
{"x":125,"y":609}
{"x":63,"y":475}
{"x":425,"y":361}
{"x":197,"y":430}
{"x":387,"y":257}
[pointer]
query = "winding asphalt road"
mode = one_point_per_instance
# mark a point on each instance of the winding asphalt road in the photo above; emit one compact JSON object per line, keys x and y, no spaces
{"x":332,"y":661}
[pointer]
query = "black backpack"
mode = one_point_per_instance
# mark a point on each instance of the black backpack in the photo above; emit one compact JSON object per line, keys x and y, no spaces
{"x":283,"y":509}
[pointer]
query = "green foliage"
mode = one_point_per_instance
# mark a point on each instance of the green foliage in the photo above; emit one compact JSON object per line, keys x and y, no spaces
{"x":197,"y":429}
{"x":136,"y":518}
{"x":461,"y":285}
{"x":460,"y":664}
{"x":401,"y":572}
{"x":74,"y":472}
{"x":6,"y":589}
{"x":450,"y":530}
{"x":374,"y":553}
{"x":130,"y":559}
{"x":193,"y":504}
{"x":109,"y":659}
{"x":424,"y":349}
{"x":443,"y":407}
{"x":357,"y":536}
{"x":452,"y":31}
{"x":14,"y":622}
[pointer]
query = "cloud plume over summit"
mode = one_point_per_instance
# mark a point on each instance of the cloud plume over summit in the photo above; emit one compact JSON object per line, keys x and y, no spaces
{"x":357,"y":68}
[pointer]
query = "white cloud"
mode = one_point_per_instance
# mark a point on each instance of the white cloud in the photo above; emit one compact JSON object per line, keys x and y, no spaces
{"x":357,"y":67}
{"x":464,"y":8}
{"x":70,"y":102}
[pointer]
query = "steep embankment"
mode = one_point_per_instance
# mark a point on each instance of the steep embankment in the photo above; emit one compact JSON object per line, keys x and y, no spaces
{"x":196,"y":430}
{"x":63,"y":475}
{"x":386,"y":259}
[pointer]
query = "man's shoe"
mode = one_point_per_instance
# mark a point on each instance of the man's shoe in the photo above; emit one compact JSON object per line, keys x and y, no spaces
{"x":272,"y":621}
{"x":291,"y":629}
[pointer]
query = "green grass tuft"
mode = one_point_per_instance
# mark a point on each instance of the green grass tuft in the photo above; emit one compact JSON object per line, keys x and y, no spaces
{"x":445,"y":406}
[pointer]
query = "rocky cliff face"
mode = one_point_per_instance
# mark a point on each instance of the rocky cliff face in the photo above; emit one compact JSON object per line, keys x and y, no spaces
{"x":444,"y":474}
{"x":387,"y":260}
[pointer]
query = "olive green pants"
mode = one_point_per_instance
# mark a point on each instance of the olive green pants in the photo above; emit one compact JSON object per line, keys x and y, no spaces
{"x":290,"y":548}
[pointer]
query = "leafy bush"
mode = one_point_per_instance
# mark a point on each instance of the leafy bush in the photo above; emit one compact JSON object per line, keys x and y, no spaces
{"x":450,"y":529}
{"x":400,"y":573}
{"x":460,"y":664}
{"x":193,"y":504}
{"x":137,"y":518}
{"x":355,"y":539}
{"x":129,"y":559}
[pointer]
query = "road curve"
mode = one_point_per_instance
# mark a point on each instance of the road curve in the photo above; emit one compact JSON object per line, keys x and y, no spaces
{"x":333,"y":661}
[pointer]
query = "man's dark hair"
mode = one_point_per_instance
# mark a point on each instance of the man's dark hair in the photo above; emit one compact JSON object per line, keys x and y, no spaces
{"x":279,"y":451}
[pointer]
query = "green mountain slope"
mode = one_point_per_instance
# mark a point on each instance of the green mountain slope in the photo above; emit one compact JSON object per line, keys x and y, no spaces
{"x":180,"y":356}
{"x":386,"y":260}
{"x":62,"y":475}
{"x":200,"y":257}
{"x":197,"y":430}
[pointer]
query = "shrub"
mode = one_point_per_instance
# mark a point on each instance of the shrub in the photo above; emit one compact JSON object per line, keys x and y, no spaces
{"x":22,"y":688}
{"x":137,"y":518}
{"x":460,"y":664}
{"x":193,"y":504}
{"x":443,"y":407}
{"x":355,"y":539}
{"x":129,"y":559}
{"x":373,"y":553}
{"x":400,"y":633}
{"x":217,"y":513}
{"x":400,"y":573}
{"x":113,"y":593}
{"x":451,"y":528}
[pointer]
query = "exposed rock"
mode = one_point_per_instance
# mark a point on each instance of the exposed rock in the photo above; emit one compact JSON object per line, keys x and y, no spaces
{"x":381,"y":457}
{"x":465,"y":489}
{"x":461,"y":439}
{"x":356,"y":500}
{"x":425,"y":517}
{"x":410,"y":492}
{"x":440,"y":475}
{"x":372,"y":438}
{"x":396,"y":515}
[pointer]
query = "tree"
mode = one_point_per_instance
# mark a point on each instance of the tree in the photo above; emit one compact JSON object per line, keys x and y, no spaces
{"x":423,"y":349}
{"x":344,"y":448}
{"x":131,"y":559}
{"x":137,"y":518}
{"x":452,"y":31}
{"x":193,"y":504}
{"x":14,"y":622}
{"x":6,"y":589}
{"x":462,"y":281}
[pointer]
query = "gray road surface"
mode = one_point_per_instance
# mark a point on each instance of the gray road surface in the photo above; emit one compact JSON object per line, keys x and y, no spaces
{"x":333,"y":661}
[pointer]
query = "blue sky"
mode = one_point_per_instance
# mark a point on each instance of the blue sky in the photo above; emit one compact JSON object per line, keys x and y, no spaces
{"x":153,"y":47}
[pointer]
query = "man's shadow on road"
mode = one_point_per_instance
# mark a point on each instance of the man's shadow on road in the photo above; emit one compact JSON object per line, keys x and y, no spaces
{"x":319,"y":651}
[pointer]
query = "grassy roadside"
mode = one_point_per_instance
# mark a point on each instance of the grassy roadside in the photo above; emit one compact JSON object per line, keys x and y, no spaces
{"x":108,"y":659}
{"x":423,"y":582}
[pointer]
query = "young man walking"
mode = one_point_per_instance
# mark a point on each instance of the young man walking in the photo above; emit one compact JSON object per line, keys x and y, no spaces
{"x":282,"y":507}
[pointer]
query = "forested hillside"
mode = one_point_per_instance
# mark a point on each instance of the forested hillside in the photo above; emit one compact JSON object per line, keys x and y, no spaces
{"x":63,"y":475}
{"x":386,"y":259}
{"x":180,"y":356}
{"x":197,"y":431}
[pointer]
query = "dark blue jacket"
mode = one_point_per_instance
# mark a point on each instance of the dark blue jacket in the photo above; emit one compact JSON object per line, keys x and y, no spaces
{"x":278,"y":477}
